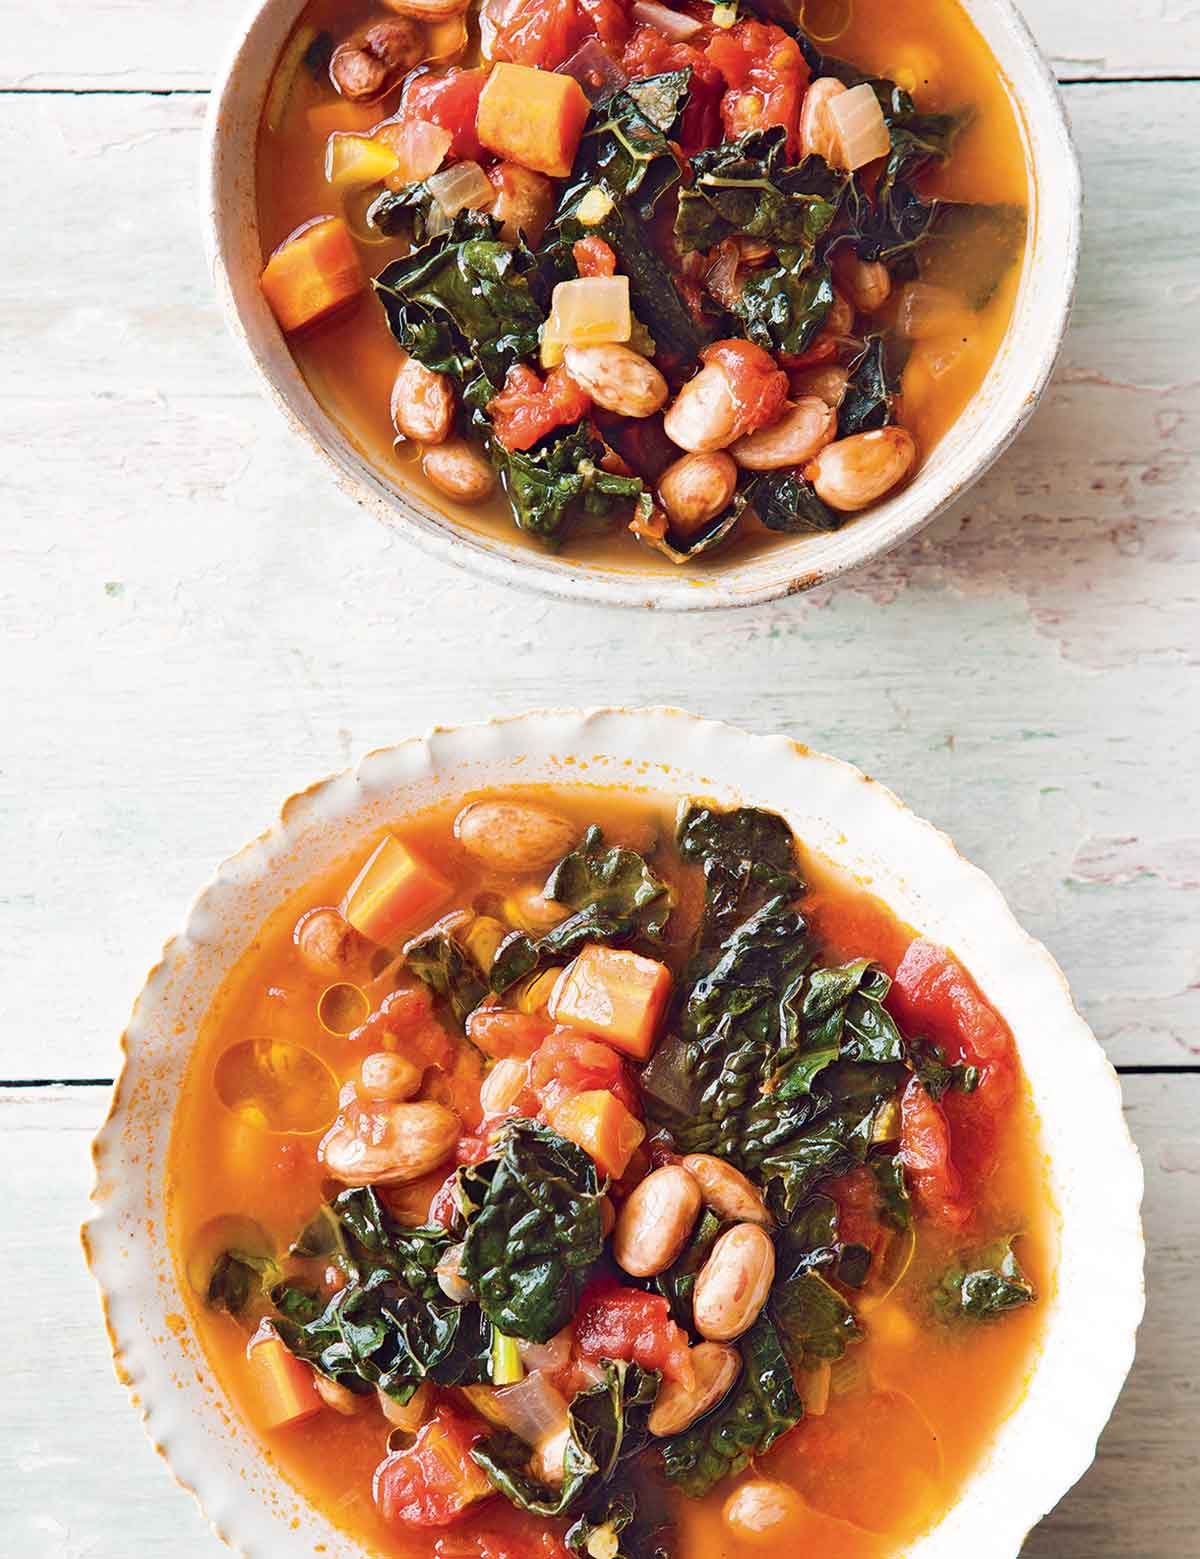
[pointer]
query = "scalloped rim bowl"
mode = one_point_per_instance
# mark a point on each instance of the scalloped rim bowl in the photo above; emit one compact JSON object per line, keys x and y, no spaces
{"x":1096,"y":1180}
{"x":988,"y":424}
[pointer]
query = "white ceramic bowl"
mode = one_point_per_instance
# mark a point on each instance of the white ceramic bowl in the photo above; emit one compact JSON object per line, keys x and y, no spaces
{"x":1012,"y":389}
{"x":1096,"y":1180}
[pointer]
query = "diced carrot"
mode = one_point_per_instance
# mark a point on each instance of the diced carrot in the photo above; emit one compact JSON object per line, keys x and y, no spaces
{"x":615,"y":994}
{"x":395,"y":891}
{"x":283,"y":1383}
{"x":534,"y":117}
{"x":312,"y":273}
{"x":327,"y":118}
{"x":602,"y":1126}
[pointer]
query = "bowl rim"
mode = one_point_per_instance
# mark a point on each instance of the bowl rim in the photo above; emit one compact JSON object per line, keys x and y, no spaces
{"x":504,"y":561}
{"x":380,"y":779}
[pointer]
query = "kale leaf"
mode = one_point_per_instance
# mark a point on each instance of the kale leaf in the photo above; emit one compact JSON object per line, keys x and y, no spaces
{"x":357,"y":1234}
{"x":625,"y":146}
{"x":533,"y":1231}
{"x":812,"y":1319}
{"x":439,"y":959}
{"x":871,"y":391}
{"x":895,"y":1205}
{"x":607,"y":1424}
{"x":937,"y":1074}
{"x":748,"y":855}
{"x":237,"y":1275}
{"x":842,"y":1015}
{"x":410,"y":211}
{"x":783,"y":306}
{"x":560,"y":475}
{"x":615,"y":896}
{"x":761,"y":1406}
{"x":746,"y":187}
{"x":983,"y":1286}
{"x":784,"y":501}
{"x":678,"y":1281}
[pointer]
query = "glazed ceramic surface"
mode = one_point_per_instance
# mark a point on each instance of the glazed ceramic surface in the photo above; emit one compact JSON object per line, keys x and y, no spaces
{"x":990,"y":421}
{"x":1095,"y":1175}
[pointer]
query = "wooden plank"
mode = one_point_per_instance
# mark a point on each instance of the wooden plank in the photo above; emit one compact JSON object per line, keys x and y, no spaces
{"x":177,"y":45}
{"x":196,"y":623}
{"x":85,"y":1470}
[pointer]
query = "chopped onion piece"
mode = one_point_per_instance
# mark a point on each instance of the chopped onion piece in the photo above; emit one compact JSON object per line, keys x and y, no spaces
{"x":590,"y":311}
{"x":358,"y":159}
{"x":461,"y":185}
{"x":858,"y":120}
{"x":672,"y":24}
{"x":418,"y":145}
{"x":533,"y":1409}
{"x":600,"y":76}
{"x":926,"y":311}
{"x":552,"y":1355}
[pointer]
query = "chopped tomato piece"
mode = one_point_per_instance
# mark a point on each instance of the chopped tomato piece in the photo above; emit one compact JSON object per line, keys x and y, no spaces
{"x":434,"y":1481}
{"x":934,"y":1181}
{"x":766,"y":74}
{"x":614,"y":1322}
{"x":312,"y":274}
{"x":759,"y":388}
{"x":405,"y":1022}
{"x":522,"y":1543}
{"x":857,"y":1196}
{"x":443,"y":1208}
{"x":546,"y":32}
{"x":500,"y":1032}
{"x":283,"y":1384}
{"x":601,"y":1125}
{"x":613,"y":993}
{"x":648,"y":53}
{"x":593,"y":257}
{"x":934,"y":995}
{"x":527,"y":409}
{"x":450,"y":99}
{"x":395,"y":890}
{"x":568,"y":1063}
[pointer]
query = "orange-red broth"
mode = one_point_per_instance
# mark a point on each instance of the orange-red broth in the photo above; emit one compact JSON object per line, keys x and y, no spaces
{"x":890,"y":1455}
{"x":350,"y":362}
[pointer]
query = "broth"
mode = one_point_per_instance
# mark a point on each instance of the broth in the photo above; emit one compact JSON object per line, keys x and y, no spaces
{"x":350,"y":361}
{"x":912,"y":1406}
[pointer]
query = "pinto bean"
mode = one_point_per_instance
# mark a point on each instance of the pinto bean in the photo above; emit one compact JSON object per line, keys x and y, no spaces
{"x":523,"y":204}
{"x":388,"y":1077}
{"x":422,"y":403}
{"x":840,"y":319}
{"x":409,"y":1415}
{"x":513,"y":836}
{"x":397,"y":43}
{"x":702,"y":416}
{"x":818,"y":133}
{"x":827,"y":383}
{"x":853,"y":472}
{"x":733,"y":1283}
{"x":726,"y":1190}
{"x":326,"y":942}
{"x":762,"y":1511}
{"x":338,"y":1397}
{"x":427,"y":10}
{"x":865,"y":282}
{"x":617,"y":378}
{"x":459,"y":470}
{"x":803,"y":429}
{"x":715,"y":1366}
{"x":502,"y":1086}
{"x":695,"y":488}
{"x":654,"y":1223}
{"x":384,"y":1144}
{"x":357,"y":73}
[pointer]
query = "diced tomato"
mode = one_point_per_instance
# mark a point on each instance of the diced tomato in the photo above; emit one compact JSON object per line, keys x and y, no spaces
{"x":934,"y":995}
{"x":499,"y":1032}
{"x":450,"y":99}
{"x":766,"y":75}
{"x":568,"y":1063}
{"x":404,"y":1022}
{"x":434,"y":1481}
{"x":473,"y":1147}
{"x":443,"y":1209}
{"x":593,"y":257}
{"x":546,"y":32}
{"x":648,"y":53}
{"x":530,"y":1538}
{"x":759,"y":388}
{"x":934,"y":1182}
{"x":617,"y":995}
{"x":614,"y":1322}
{"x":857,"y":1196}
{"x":528,"y":408}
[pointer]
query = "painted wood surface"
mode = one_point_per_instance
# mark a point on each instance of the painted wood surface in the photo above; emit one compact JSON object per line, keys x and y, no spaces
{"x":195,"y":624}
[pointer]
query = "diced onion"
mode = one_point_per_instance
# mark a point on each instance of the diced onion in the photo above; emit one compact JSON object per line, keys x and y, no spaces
{"x":532,"y":1409}
{"x":672,"y":24}
{"x":926,"y":310}
{"x":419,"y":146}
{"x":594,"y":207}
{"x":461,"y":185}
{"x":552,"y":1355}
{"x":600,"y":76}
{"x":858,"y":120}
{"x":590,"y":311}
{"x":358,"y":159}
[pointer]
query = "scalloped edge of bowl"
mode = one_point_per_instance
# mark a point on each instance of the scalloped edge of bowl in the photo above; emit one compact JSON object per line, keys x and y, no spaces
{"x":1015,"y":383}
{"x":1049,"y":1439}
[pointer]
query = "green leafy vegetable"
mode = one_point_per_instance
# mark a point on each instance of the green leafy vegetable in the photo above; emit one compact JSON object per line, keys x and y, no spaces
{"x":678,"y":1281}
{"x":408,"y":211}
{"x":546,"y":484}
{"x":748,"y":855}
{"x":607,"y":1424}
{"x":871,"y":391}
{"x":983,"y":1286}
{"x":761,"y":1406}
{"x":784,"y":501}
{"x":444,"y":964}
{"x":895,"y":1205}
{"x":937,"y":1074}
{"x":812,"y":1319}
{"x":842,"y":1015}
{"x":746,"y":187}
{"x":237,"y":1275}
{"x":625,"y":145}
{"x":783,"y":306}
{"x":533,"y":1230}
{"x":358,"y":1235}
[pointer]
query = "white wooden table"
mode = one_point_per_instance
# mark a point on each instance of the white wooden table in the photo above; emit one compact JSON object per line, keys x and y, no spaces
{"x":195,"y":624}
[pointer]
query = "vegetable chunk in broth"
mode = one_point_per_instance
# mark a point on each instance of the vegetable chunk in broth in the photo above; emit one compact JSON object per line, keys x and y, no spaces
{"x":641,"y":280}
{"x":570,"y":1173}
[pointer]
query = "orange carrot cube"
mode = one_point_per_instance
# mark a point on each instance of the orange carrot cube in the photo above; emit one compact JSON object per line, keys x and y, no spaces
{"x":534,"y":117}
{"x":600,"y":1124}
{"x":617,"y":995}
{"x":312,"y":273}
{"x":396,"y":891}
{"x":283,"y":1383}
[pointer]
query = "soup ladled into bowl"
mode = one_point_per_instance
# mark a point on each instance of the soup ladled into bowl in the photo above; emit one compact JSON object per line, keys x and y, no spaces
{"x":643,"y":281}
{"x":570,"y":1173}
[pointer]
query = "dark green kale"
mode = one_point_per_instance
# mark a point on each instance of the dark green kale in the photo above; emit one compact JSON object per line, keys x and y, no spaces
{"x":533,"y":1230}
{"x":783,"y":306}
{"x":812,"y":1319}
{"x":614,"y":897}
{"x":678,"y":1281}
{"x":810,"y":1242}
{"x":607,"y":1425}
{"x":236,"y":1277}
{"x":413,"y":211}
{"x":784,"y":501}
{"x":440,"y":960}
{"x":842,"y":1016}
{"x":746,"y":187}
{"x":871,"y":391}
{"x":895,"y":1205}
{"x":748,"y":855}
{"x":762,"y":1405}
{"x":559,"y":477}
{"x":983,"y":1286}
{"x":357,"y":1234}
{"x":937,"y":1074}
{"x":464,"y":304}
